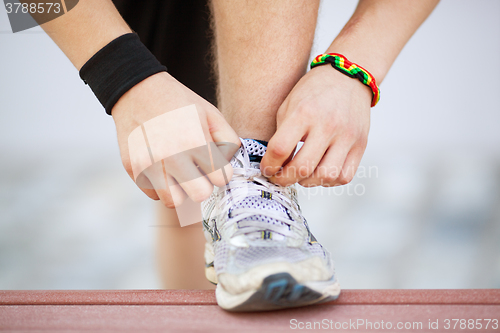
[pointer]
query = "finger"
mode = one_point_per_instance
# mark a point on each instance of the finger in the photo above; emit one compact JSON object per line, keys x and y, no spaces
{"x":142,"y":181}
{"x":156,"y":177}
{"x":281,"y":146}
{"x":222,"y":134}
{"x":351,"y":165}
{"x":150,"y":193}
{"x":215,"y":165}
{"x":223,"y":143}
{"x":145,"y":185}
{"x":303,"y":164}
{"x":176,"y":192}
{"x":227,"y":150}
{"x":166,"y":188}
{"x":330,"y":167}
{"x":221,"y":176}
{"x":198,"y":189}
{"x":189,"y":177}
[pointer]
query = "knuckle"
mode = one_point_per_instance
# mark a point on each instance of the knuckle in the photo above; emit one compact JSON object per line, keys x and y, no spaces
{"x":308,"y":106}
{"x":173,"y":162}
{"x":279,"y":151}
{"x":351,"y":135}
{"x":328,"y":175}
{"x":330,"y":126}
{"x":322,"y":173}
{"x":304,"y":110}
{"x":345,"y":179}
{"x":303,"y":172}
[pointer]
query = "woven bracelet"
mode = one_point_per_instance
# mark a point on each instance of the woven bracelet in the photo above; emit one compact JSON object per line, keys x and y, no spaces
{"x":340,"y":63}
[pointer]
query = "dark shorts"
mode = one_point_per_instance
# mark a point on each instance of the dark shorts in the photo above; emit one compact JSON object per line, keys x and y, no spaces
{"x":179,"y":35}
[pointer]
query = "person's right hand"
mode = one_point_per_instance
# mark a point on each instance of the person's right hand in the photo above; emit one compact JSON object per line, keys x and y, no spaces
{"x":188,"y":174}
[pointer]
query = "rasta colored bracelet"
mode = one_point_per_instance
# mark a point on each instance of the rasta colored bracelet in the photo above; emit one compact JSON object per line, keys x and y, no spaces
{"x":340,"y":63}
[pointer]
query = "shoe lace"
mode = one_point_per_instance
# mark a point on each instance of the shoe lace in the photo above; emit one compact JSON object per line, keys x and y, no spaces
{"x":248,"y":181}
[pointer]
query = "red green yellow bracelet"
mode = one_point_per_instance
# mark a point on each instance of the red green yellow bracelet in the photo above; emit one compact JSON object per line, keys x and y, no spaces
{"x":340,"y":63}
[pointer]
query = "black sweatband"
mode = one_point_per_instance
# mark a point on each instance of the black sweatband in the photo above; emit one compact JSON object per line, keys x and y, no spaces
{"x":117,"y":67}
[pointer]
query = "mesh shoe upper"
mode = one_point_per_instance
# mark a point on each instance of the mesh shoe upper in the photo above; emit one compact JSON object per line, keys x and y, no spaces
{"x":251,"y":222}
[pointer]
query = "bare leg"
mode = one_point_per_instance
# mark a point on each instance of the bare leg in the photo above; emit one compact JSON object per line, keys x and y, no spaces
{"x":180,"y":253}
{"x":262,"y":48}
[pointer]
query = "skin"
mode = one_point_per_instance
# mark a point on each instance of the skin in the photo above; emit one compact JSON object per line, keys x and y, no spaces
{"x":179,"y":253}
{"x":273,"y":40}
{"x":80,"y":34}
{"x":262,"y":48}
{"x":329,"y":111}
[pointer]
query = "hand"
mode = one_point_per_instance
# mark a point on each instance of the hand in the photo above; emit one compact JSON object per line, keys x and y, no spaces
{"x":181,"y":167}
{"x":330,"y":112}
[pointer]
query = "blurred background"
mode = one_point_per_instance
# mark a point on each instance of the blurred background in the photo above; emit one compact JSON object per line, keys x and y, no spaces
{"x":423,"y":211}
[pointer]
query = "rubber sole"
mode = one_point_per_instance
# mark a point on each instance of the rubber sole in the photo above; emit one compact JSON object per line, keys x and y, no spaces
{"x":278,"y":291}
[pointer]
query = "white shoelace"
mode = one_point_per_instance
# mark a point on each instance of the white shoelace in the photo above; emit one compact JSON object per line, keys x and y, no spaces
{"x":246,"y":182}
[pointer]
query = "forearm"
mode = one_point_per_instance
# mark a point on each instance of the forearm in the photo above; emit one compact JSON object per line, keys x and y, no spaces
{"x":87,"y":28}
{"x":378,"y":30}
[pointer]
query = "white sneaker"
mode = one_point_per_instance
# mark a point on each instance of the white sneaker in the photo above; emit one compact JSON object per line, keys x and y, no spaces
{"x":259,"y":249}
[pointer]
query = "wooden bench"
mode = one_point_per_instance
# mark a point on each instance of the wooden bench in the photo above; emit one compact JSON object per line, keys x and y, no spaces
{"x":197,"y":311}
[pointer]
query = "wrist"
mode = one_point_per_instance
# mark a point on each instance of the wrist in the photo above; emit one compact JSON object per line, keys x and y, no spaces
{"x":365,"y":58}
{"x":148,"y":91}
{"x":349,"y":69}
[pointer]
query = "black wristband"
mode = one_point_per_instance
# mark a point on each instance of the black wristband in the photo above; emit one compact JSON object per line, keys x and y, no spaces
{"x":117,"y":67}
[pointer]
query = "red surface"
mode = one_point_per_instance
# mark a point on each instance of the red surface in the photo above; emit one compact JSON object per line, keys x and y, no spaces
{"x":195,"y":311}
{"x":207,"y":297}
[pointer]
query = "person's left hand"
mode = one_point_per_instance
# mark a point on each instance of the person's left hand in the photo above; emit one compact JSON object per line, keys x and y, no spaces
{"x":330,"y":112}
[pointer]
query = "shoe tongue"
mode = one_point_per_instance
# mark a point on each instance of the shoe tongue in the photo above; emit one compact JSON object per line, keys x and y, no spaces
{"x":255,"y":150}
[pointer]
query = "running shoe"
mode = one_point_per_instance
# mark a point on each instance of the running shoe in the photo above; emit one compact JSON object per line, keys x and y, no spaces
{"x":260,"y":251}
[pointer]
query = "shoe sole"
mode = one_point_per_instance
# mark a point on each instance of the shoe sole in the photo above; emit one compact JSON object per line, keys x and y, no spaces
{"x":279,"y":291}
